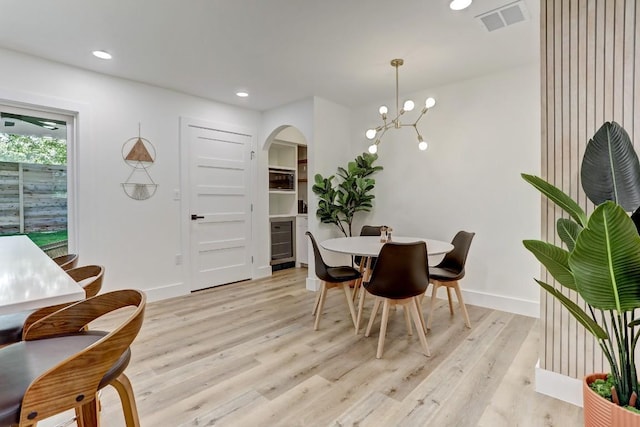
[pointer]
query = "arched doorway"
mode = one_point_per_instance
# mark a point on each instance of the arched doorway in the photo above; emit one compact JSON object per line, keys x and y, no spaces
{"x":288,"y":197}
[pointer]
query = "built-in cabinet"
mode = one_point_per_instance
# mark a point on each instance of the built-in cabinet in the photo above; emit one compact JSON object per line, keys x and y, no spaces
{"x":283,"y":162}
{"x":288,"y":202}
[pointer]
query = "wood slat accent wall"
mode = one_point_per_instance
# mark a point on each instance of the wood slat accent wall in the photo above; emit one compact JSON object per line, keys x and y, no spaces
{"x":590,"y":73}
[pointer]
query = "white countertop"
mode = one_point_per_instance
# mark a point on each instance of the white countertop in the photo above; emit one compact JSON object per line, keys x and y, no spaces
{"x":30,"y":279}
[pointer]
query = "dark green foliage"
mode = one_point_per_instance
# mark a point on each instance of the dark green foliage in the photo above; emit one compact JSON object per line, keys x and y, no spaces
{"x":351,"y":193}
{"x":602,"y":263}
{"x":603,"y":387}
{"x":610,"y":168}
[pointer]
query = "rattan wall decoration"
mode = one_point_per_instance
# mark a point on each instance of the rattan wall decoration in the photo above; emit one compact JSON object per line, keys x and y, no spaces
{"x":139,"y":153}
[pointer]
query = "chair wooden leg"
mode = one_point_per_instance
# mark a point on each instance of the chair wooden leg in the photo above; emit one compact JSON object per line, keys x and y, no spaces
{"x":352,"y":310}
{"x":374,"y":312}
{"x":315,"y":304}
{"x":407,"y":320}
{"x":383,"y":328}
{"x":418,"y":304}
{"x":363,"y":292}
{"x":79,"y":415}
{"x":125,"y":391}
{"x":88,"y":415}
{"x":449,"y":299}
{"x":323,"y":295}
{"x":434,"y":292}
{"x":412,"y":305}
{"x":462,"y":306}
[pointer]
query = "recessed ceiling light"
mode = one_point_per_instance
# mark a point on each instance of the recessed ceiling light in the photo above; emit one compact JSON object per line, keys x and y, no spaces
{"x":101,"y":54}
{"x":242,"y":94}
{"x":459,"y":4}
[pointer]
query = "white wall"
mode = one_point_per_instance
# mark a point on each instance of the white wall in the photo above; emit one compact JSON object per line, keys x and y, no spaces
{"x":331,"y":132}
{"x":137,"y":241}
{"x":482,"y":134}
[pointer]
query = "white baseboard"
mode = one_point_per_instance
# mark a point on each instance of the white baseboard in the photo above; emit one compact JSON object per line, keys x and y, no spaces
{"x":558,"y":386}
{"x":313,"y":284}
{"x":498,"y":302}
{"x":262,"y":272}
{"x":167,"y":291}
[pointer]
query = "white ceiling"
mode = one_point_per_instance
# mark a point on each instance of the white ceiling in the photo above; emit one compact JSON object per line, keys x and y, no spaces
{"x":278,"y":50}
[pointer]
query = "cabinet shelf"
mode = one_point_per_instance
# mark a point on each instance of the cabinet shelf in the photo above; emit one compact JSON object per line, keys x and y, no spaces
{"x":285,"y":168}
{"x":292,"y":192}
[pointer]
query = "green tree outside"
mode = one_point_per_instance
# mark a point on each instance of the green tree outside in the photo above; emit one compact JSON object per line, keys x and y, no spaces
{"x":32,"y":149}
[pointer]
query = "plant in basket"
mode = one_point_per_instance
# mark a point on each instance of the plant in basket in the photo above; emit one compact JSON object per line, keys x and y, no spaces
{"x":600,"y":258}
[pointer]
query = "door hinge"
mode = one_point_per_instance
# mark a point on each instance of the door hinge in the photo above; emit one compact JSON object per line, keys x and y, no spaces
{"x":251,"y":260}
{"x":251,"y":207}
{"x":253,"y":154}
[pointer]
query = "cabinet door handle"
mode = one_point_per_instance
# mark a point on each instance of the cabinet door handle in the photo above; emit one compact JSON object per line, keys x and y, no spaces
{"x":194,"y":217}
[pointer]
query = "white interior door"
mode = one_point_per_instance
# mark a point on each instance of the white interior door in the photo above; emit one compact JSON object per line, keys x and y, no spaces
{"x":220,"y":205}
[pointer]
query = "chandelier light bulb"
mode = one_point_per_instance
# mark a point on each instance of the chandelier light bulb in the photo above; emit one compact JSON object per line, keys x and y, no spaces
{"x":408,"y":105}
{"x":459,"y":4}
{"x":370,"y":133}
{"x":395,"y":122}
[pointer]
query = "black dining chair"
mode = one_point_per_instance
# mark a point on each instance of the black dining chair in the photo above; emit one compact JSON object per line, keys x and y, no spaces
{"x":360,"y":261}
{"x":331,"y":277}
{"x":400,"y":277}
{"x":448,"y":273}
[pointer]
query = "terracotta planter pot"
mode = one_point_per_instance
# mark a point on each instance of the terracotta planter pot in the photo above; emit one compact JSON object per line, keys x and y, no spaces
{"x":599,"y":412}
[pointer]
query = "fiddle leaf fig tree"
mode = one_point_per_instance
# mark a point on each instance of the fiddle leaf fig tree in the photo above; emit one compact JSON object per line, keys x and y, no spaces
{"x":351,"y":192}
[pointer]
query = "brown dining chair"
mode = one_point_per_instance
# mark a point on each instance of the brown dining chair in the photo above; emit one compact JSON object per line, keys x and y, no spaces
{"x":12,"y":325}
{"x":449,"y":272}
{"x":400,"y":277}
{"x":59,"y":366}
{"x":331,"y":277}
{"x":66,"y":262}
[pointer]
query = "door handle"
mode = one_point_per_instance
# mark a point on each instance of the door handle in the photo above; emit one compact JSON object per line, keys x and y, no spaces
{"x":194,"y":217}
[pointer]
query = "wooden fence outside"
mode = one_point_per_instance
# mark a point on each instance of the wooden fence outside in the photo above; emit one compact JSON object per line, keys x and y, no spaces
{"x":32,"y":198}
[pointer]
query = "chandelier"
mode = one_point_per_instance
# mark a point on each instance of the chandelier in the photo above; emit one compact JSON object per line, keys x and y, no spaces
{"x":378,"y":132}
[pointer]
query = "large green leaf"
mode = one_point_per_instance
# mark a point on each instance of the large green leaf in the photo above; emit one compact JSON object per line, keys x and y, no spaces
{"x":555,"y":260}
{"x":577,"y":312}
{"x":558,"y":197}
{"x":610,"y":168}
{"x":606,"y":260}
{"x":568,"y":231}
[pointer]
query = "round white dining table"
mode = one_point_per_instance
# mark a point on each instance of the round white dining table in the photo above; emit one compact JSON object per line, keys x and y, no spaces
{"x":369,"y":246}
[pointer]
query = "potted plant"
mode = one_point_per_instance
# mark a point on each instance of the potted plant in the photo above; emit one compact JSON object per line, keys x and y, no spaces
{"x":338,"y":203}
{"x":601,"y":262}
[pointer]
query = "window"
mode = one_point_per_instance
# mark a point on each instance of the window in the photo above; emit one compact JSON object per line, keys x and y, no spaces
{"x":34,"y":177}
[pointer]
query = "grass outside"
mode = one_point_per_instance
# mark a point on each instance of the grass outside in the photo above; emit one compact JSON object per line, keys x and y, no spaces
{"x":48,"y":237}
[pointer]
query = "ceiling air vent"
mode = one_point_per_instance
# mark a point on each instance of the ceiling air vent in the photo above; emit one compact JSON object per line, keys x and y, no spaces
{"x":503,"y":16}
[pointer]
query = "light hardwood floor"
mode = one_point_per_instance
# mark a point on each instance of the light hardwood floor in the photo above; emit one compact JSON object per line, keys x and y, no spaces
{"x":246,"y":355}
